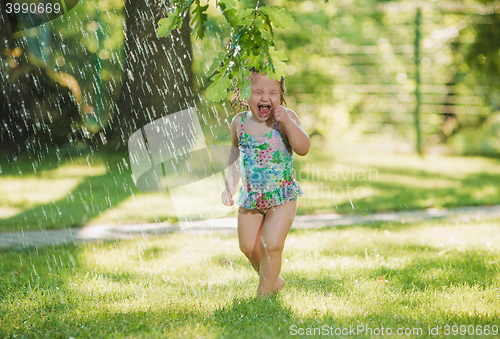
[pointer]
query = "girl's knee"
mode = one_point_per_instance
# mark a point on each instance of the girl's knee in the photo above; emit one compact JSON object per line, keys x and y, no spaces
{"x":247,"y":250}
{"x":271,"y":245}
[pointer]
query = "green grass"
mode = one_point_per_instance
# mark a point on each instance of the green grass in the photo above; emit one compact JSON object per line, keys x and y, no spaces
{"x":56,"y":192}
{"x":394,"y":275}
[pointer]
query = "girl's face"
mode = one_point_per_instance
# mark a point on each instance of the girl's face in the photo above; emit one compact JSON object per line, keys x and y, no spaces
{"x":264,"y":98}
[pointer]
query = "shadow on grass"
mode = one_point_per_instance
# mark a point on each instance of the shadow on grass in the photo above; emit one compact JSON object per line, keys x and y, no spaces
{"x":254,"y":318}
{"x":453,"y":268}
{"x":93,"y":196}
{"x":430,"y":272}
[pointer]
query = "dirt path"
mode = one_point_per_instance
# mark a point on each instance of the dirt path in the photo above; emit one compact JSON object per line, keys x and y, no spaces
{"x":114,"y":232}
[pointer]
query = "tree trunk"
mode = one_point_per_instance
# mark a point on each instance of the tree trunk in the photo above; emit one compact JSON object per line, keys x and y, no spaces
{"x":157,"y":76}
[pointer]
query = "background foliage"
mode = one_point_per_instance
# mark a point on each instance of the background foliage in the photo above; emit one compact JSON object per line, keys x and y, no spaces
{"x":351,"y":72}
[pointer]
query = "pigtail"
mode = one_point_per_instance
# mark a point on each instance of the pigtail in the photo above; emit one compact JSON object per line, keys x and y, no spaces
{"x":282,"y":91}
{"x":238,"y":103}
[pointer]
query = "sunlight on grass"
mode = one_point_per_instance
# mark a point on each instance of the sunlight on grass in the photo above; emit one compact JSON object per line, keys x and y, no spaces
{"x":138,"y":208}
{"x":7,"y":211}
{"x":29,"y":192}
{"x":452,"y":166}
{"x":486,"y":191}
{"x":79,"y":167}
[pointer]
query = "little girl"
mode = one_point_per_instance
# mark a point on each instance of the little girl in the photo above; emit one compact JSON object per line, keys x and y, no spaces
{"x":265,"y":136}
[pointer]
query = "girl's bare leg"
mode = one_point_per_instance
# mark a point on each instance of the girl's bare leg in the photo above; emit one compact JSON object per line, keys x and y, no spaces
{"x":277,"y":223}
{"x":250,"y":225}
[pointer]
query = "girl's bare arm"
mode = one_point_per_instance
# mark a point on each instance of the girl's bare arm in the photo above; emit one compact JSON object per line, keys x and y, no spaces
{"x":233,"y":176}
{"x":296,"y":135}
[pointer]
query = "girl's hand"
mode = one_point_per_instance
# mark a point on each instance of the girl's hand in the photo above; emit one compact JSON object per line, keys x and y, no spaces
{"x":282,"y":115}
{"x":227,"y":197}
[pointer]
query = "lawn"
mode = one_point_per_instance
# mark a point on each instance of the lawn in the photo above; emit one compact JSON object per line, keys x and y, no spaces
{"x":60,"y":192}
{"x":436,"y":276}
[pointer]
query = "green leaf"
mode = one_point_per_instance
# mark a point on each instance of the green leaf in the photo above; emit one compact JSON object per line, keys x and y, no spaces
{"x":280,"y":67}
{"x":268,"y":28}
{"x":246,"y":16}
{"x":268,"y":35}
{"x":216,"y":63}
{"x":264,"y":62}
{"x":254,"y":61}
{"x":199,"y":20}
{"x":227,"y":8}
{"x":228,"y":4}
{"x":243,"y":82}
{"x":279,"y":17}
{"x":231,"y":17}
{"x":280,"y":55}
{"x":218,"y":89}
{"x":168,"y":24}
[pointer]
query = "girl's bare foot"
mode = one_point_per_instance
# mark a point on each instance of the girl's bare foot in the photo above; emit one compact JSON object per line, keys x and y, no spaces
{"x":280,"y":283}
{"x":263,"y":295}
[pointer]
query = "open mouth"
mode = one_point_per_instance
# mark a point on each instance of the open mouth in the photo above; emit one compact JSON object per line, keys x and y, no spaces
{"x":264,"y":110}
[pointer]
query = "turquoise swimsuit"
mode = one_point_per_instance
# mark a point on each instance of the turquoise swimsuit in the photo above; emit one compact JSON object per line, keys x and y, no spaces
{"x":266,"y":170}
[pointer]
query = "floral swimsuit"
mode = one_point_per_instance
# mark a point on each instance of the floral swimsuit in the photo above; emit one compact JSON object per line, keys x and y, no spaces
{"x":266,"y":170}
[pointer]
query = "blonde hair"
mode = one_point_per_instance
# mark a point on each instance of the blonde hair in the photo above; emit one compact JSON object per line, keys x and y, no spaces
{"x":238,"y":103}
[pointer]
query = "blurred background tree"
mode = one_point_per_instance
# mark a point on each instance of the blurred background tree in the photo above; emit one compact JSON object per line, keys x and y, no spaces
{"x":479,"y":53}
{"x":157,"y":71}
{"x":98,"y":46}
{"x":60,"y":78}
